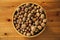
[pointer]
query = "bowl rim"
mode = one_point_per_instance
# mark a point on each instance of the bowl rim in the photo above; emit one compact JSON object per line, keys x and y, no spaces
{"x":16,"y":29}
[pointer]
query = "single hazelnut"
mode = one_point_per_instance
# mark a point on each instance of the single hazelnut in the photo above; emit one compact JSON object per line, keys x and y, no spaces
{"x":23,"y":26}
{"x":38,"y":14}
{"x":21,"y":32}
{"x":24,"y":33}
{"x":25,"y":14}
{"x":30,"y":21}
{"x":41,"y":9}
{"x":26,"y":9}
{"x":24,"y":18}
{"x":28,"y":34}
{"x":42,"y":24}
{"x":29,"y":15}
{"x":17,"y":27}
{"x":33,"y":28}
{"x":44,"y":20}
{"x":39,"y":27}
{"x":29,"y":24}
{"x":42,"y":16}
{"x":36,"y":22}
{"x":34,"y":19}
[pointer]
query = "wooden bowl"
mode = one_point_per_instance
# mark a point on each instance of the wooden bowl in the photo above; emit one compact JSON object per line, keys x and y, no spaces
{"x":25,"y":35}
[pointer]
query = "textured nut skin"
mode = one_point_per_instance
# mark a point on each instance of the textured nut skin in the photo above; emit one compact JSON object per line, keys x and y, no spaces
{"x":39,"y":27}
{"x":23,"y":26}
{"x":44,"y":20}
{"x":38,"y":14}
{"x":33,"y":28}
{"x":28,"y":34}
{"x":36,"y":22}
{"x":42,"y":16}
{"x":42,"y":24}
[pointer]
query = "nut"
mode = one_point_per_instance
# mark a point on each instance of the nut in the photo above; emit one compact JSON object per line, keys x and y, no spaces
{"x":23,"y":26}
{"x":44,"y":20}
{"x":36,"y":22}
{"x":42,"y":16}
{"x":33,"y":28}
{"x":28,"y":34}
{"x":39,"y":27}
{"x":42,"y":24}
{"x":38,"y":14}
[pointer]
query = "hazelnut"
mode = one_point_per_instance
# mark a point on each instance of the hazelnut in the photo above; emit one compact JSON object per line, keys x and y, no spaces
{"x":21,"y":32}
{"x":17,"y":26}
{"x":25,"y":14}
{"x":42,"y":16}
{"x":26,"y":9}
{"x":44,"y":20}
{"x":30,"y":21}
{"x":29,"y":15}
{"x":19,"y":12}
{"x":23,"y":26}
{"x":36,"y":22}
{"x":29,"y":24}
{"x":41,"y":9}
{"x":35,"y":7}
{"x":28,"y":18}
{"x":26,"y":23}
{"x":32,"y":11}
{"x":27,"y":28}
{"x":24,"y":18}
{"x":23,"y":29}
{"x":24,"y":33}
{"x":38,"y":14}
{"x":21,"y":16}
{"x":39,"y":27}
{"x":15,"y":22}
{"x":36,"y":30}
{"x":32,"y":33}
{"x":22,"y":12}
{"x":18,"y":29}
{"x":20,"y":20}
{"x":33,"y":28}
{"x":28,"y":34}
{"x":42,"y":24}
{"x":32,"y":6}
{"x":18,"y":16}
{"x":37,"y":10}
{"x":38,"y":6}
{"x":14,"y":18}
{"x":34,"y":19}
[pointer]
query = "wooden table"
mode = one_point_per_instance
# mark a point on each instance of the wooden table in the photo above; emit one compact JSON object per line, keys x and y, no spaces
{"x":52,"y":31}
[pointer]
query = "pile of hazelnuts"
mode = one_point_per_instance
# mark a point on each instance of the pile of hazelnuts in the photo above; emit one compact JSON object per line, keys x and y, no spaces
{"x":29,"y":19}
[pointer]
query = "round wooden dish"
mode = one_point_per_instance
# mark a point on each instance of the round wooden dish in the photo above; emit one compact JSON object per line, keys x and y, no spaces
{"x":25,"y":35}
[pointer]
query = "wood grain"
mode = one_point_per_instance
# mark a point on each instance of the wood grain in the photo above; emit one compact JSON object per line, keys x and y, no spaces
{"x":52,"y":31}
